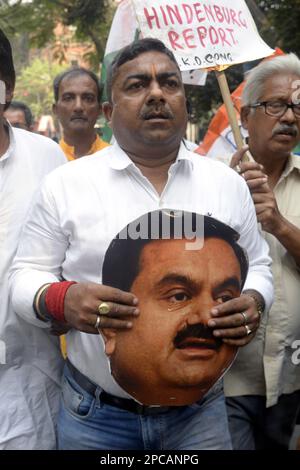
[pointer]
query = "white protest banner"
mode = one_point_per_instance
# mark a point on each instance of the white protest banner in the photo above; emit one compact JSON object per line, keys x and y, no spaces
{"x":203,"y":34}
{"x":125,"y":29}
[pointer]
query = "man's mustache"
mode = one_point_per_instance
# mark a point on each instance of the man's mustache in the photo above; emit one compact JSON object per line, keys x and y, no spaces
{"x":156,"y":111}
{"x":285,"y":129}
{"x":199,"y":330}
{"x":78,"y":116}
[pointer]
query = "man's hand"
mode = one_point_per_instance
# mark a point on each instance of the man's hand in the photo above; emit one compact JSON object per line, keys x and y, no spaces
{"x":234,"y":319}
{"x":252,"y":172}
{"x":83,"y":299}
{"x":267,"y":211}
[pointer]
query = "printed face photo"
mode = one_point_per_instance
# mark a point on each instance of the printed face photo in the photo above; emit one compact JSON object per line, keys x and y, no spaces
{"x":170,"y":356}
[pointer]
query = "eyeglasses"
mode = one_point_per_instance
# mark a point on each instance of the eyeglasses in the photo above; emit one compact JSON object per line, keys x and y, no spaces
{"x":277,"y":108}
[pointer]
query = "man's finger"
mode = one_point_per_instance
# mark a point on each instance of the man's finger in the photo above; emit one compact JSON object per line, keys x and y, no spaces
{"x":254,"y":174}
{"x":118,"y":310}
{"x":106,"y":322}
{"x":258,"y":184}
{"x":240,"y":304}
{"x":229,"y":321}
{"x":116,"y":295}
{"x":237,"y":156}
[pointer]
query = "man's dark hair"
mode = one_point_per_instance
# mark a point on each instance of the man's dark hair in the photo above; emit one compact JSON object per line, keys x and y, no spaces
{"x":7,"y":70}
{"x":122,"y":259}
{"x":20,"y":106}
{"x":132,"y":51}
{"x":75,"y":72}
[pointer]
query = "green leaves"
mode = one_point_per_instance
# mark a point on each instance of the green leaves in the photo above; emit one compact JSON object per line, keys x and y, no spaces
{"x":34,"y":86}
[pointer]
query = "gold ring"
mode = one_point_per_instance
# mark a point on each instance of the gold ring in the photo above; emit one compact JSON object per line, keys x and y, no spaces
{"x":248,"y":330}
{"x":104,"y":308}
{"x":244,"y":317}
{"x":98,"y":321}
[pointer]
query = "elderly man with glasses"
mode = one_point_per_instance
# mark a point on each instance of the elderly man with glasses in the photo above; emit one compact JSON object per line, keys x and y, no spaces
{"x":263,"y":386}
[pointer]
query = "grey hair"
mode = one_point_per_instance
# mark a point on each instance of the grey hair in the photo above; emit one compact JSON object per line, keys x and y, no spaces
{"x":255,"y":82}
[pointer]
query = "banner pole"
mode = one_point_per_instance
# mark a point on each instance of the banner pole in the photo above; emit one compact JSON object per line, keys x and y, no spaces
{"x":222,"y":80}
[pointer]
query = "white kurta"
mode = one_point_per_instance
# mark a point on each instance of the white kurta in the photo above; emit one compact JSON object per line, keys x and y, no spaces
{"x":30,"y":362}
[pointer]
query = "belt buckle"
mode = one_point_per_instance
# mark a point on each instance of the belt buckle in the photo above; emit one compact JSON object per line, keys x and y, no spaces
{"x":150,"y":410}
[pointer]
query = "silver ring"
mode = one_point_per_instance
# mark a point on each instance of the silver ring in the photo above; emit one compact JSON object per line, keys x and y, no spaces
{"x":103,"y":308}
{"x":248,"y":330}
{"x":97,"y":324}
{"x":244,"y":317}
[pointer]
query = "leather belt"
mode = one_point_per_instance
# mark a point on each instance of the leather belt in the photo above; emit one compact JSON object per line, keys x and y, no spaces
{"x":122,"y":403}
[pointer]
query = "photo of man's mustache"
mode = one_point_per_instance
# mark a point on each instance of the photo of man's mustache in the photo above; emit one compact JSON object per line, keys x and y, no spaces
{"x":199,"y":330}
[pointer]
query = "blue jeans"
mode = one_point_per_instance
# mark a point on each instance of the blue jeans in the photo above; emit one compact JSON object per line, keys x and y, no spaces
{"x":255,"y":427}
{"x":87,"y":424}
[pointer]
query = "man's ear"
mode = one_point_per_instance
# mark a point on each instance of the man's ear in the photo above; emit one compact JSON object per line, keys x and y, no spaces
{"x":109,"y":336}
{"x":107,"y":109}
{"x":54,"y":109}
{"x":245,"y":111}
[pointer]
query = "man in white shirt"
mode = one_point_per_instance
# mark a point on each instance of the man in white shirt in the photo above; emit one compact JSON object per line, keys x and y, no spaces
{"x":30,"y":363}
{"x":71,"y":224}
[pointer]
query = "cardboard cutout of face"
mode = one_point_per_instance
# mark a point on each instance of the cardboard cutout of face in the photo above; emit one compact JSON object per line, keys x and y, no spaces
{"x":170,"y":356}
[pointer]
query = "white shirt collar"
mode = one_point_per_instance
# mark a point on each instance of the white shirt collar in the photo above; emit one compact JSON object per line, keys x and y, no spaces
{"x":120,"y":160}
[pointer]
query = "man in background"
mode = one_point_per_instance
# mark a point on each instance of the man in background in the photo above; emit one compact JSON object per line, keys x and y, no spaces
{"x":19,"y":115}
{"x":77,"y":106}
{"x":30,"y":363}
{"x":263,"y":385}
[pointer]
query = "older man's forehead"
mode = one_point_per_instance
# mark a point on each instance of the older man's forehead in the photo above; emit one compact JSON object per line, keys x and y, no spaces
{"x":281,"y":84}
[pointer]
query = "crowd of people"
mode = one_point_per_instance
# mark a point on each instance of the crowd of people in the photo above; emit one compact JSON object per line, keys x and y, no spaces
{"x":153,"y":319}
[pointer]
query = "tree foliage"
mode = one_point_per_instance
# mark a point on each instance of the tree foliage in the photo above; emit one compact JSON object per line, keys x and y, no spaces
{"x":90,"y":20}
{"x":281,"y":25}
{"x":277,"y":20}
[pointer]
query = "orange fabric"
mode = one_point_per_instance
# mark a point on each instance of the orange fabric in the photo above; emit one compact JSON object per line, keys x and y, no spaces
{"x":220,"y":121}
{"x":68,"y":150}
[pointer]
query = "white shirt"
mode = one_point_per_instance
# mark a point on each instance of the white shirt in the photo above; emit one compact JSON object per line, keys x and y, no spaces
{"x":81,"y":208}
{"x":30,"y":362}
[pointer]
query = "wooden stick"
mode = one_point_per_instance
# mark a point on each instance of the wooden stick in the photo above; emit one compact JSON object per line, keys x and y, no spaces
{"x":222,"y":80}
